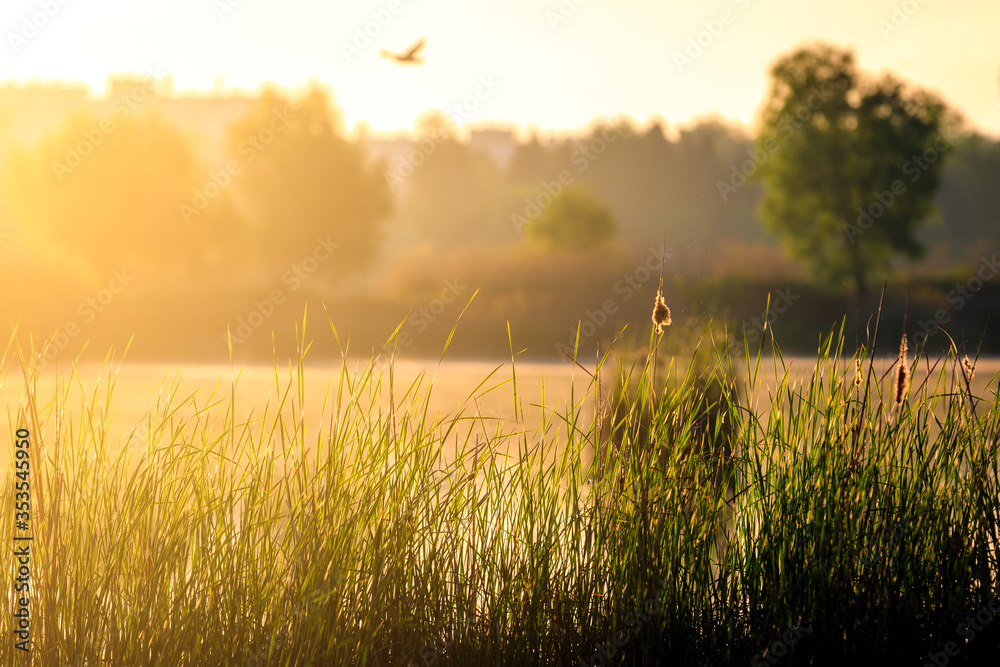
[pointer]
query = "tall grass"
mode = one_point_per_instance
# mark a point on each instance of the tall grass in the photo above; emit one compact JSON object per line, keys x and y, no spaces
{"x":388,"y":533}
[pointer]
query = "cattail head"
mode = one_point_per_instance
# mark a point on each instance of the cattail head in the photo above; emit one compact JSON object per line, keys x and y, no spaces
{"x":902,"y":373}
{"x":857,"y":372}
{"x":661,"y":314}
{"x":969,"y":367}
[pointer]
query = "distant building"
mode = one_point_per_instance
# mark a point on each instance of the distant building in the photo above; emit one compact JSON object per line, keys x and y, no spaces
{"x":496,"y":144}
{"x":206,"y":117}
{"x":392,"y":150}
{"x":30,"y":111}
{"x":400,"y":154}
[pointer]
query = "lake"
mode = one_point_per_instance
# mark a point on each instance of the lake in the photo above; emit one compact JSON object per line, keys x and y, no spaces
{"x":457,"y":385}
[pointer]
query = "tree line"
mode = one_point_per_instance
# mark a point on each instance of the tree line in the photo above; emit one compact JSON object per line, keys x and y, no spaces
{"x":839,"y":172}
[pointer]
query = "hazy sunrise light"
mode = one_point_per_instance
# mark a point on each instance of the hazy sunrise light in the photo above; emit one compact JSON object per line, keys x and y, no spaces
{"x":533,"y":332}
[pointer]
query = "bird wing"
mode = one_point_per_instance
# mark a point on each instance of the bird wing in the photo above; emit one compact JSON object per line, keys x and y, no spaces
{"x":411,"y":53}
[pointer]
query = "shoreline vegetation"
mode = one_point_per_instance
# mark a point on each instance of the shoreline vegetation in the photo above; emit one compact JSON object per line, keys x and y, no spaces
{"x":701,"y":518}
{"x":544,"y":320}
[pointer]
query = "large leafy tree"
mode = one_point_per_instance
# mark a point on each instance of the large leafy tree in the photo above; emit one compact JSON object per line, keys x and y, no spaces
{"x":301,"y":179}
{"x":850,"y":164}
{"x":102,"y":193}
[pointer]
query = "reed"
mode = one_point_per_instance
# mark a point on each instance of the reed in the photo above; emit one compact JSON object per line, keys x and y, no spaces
{"x":396,"y":536}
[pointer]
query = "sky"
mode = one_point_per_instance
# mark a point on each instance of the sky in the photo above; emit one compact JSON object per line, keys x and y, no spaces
{"x":552,"y":64}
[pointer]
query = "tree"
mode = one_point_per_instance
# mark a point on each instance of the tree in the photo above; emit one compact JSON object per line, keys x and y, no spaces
{"x":103,"y":193}
{"x":534,"y":162}
{"x":969,"y":200}
{"x":452,"y":191}
{"x":302,"y":180}
{"x":574,"y":219}
{"x":849,"y":164}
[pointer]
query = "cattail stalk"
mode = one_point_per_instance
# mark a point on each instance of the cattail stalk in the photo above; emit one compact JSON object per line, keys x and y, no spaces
{"x":968,"y":367}
{"x":661,"y":318}
{"x":902,"y":373}
{"x":661,"y":314}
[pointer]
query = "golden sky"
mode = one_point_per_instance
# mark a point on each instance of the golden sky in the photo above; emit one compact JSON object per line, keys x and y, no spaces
{"x":552,"y":63}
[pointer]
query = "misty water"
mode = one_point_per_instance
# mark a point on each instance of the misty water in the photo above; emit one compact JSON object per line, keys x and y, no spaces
{"x":127,"y":394}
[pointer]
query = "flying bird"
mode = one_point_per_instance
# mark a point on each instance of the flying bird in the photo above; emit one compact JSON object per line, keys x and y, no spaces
{"x":409,"y":57}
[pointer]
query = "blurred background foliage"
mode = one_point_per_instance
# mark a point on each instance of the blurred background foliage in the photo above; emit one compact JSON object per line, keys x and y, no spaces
{"x":290,"y":175}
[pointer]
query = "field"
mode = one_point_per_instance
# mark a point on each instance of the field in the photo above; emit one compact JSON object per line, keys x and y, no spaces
{"x":423,"y":513}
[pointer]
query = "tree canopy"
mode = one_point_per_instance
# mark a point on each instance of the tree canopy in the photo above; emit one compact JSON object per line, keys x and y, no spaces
{"x":103,"y":193}
{"x":850,"y":164}
{"x":451,"y":191}
{"x":302,"y":179}
{"x":574,"y":219}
